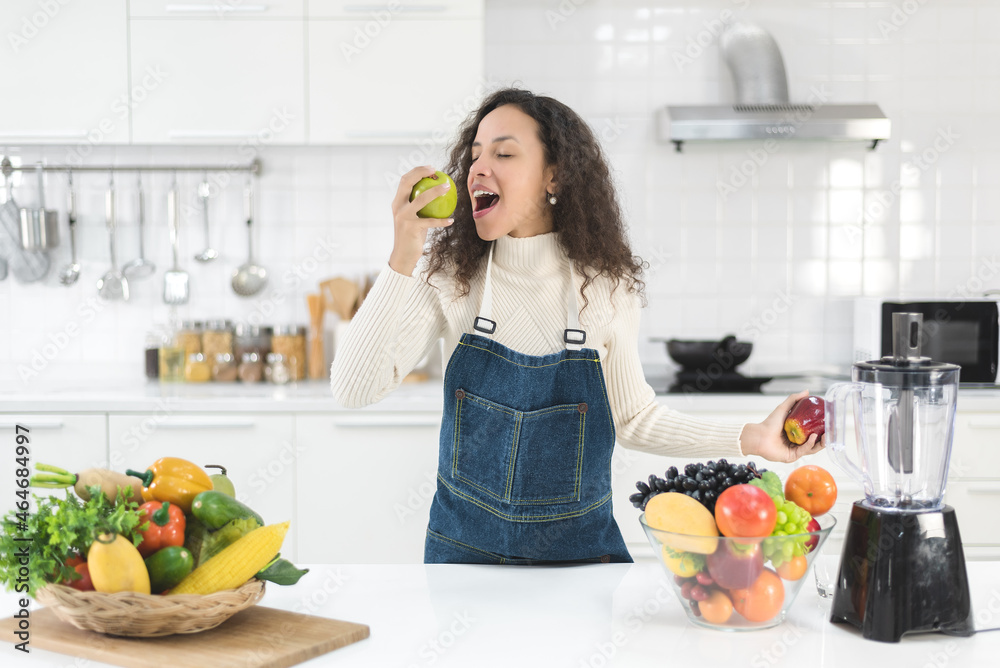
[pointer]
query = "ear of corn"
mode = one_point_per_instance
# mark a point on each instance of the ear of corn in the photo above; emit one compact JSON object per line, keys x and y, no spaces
{"x":237,"y":563}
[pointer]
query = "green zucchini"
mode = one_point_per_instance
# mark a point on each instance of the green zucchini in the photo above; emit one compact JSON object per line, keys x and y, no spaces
{"x":216,"y":509}
{"x":167,"y":567}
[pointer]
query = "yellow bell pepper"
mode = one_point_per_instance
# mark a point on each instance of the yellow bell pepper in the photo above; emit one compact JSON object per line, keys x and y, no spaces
{"x":175,"y":480}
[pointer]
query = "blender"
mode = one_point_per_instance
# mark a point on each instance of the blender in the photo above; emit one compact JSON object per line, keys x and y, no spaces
{"x":902,"y":569}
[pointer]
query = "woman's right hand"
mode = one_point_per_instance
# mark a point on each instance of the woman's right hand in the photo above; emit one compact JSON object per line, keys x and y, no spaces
{"x":411,"y":230}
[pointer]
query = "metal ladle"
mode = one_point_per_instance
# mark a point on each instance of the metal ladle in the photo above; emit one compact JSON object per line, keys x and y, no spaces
{"x":71,"y":272}
{"x":209,"y":254}
{"x":140,"y":267}
{"x":249,"y":278}
{"x":113,"y":285}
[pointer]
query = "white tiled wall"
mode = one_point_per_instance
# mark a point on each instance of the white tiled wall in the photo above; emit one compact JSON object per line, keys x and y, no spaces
{"x":778,"y":260}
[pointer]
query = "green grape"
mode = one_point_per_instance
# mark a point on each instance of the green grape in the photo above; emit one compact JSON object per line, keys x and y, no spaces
{"x":791,"y":519}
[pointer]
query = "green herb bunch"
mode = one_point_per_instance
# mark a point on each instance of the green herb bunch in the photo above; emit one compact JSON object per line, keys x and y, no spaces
{"x":60,"y":528}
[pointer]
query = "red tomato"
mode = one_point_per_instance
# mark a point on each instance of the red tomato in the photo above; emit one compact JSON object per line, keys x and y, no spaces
{"x":745,"y":511}
{"x":83,"y":583}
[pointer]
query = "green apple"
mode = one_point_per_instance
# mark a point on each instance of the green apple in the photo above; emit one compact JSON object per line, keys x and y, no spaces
{"x":440,"y":207}
{"x":220,"y":481}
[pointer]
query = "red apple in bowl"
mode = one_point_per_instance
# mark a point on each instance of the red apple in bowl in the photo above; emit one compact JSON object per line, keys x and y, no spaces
{"x":735,"y":565}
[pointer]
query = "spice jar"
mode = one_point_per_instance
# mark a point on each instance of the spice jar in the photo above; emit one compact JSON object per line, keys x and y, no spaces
{"x":217,"y":338}
{"x":251,"y":368}
{"x":196,"y":369}
{"x":277,"y":371}
{"x":251,"y":339}
{"x":155,"y":338}
{"x":170,"y":359}
{"x":189,"y":337}
{"x":290,"y":342}
{"x":224,"y":370}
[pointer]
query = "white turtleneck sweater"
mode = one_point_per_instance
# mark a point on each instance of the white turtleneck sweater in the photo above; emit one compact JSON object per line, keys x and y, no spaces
{"x":403,"y":316}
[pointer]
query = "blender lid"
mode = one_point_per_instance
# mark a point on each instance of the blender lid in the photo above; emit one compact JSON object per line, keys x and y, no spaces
{"x":906,"y":367}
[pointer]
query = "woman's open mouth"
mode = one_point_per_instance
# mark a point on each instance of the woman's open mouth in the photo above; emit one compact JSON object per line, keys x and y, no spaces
{"x":483,"y":202}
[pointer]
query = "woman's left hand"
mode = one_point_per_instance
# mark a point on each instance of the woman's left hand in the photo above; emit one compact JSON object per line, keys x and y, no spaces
{"x":768,"y":438}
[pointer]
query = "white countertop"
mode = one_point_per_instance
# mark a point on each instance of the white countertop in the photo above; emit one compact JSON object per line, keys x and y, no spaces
{"x":316,"y":397}
{"x":578,"y":617}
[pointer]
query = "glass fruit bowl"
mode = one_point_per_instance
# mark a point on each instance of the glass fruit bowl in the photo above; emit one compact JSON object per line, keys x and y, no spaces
{"x":737,"y":584}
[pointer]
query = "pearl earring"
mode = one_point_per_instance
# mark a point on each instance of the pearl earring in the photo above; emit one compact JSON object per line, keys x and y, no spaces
{"x":552,"y":200}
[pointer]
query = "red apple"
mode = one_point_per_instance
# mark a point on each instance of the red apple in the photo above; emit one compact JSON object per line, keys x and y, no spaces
{"x":813,"y":540}
{"x":735,"y":565}
{"x":807,"y":417}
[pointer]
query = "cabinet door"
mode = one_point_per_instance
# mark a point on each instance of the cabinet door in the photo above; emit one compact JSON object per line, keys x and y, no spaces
{"x":399,"y":82}
{"x":366,"y":480}
{"x":65,"y":73}
{"x":235,"y":82}
{"x":72,"y":442}
{"x":258,"y":451}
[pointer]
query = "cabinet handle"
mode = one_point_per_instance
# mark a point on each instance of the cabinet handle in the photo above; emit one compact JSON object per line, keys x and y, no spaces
{"x":205,"y":423}
{"x":207,"y":134}
{"x":984,"y":424}
{"x":43,"y":134}
{"x":984,"y":489}
{"x":388,"y":421}
{"x":33,"y":423}
{"x":216,"y":7}
{"x":403,"y":9}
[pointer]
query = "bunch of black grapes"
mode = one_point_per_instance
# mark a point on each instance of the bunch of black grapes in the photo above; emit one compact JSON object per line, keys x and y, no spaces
{"x":702,"y":482}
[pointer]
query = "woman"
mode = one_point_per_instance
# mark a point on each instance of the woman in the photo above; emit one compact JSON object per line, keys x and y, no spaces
{"x":536,"y":293}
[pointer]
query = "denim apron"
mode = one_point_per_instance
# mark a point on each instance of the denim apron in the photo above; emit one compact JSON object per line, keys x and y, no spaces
{"x":524,"y":464}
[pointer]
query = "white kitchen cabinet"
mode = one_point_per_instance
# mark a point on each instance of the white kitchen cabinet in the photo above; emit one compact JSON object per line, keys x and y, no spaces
{"x":259,"y":452}
{"x":72,"y":442}
{"x":365,"y":484}
{"x":400,"y":73}
{"x":65,"y":70}
{"x":223,"y":81}
{"x":974,"y":483}
{"x":217,"y":9}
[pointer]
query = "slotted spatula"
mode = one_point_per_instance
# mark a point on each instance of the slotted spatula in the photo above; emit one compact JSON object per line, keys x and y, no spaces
{"x":175,"y":281}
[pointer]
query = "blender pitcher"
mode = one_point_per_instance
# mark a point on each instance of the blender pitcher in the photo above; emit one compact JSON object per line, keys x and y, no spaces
{"x":904,"y":410}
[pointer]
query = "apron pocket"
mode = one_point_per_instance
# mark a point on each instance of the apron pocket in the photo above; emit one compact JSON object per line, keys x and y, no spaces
{"x":518,"y":457}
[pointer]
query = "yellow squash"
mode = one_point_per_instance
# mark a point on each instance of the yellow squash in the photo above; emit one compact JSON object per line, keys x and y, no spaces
{"x":116,"y":565}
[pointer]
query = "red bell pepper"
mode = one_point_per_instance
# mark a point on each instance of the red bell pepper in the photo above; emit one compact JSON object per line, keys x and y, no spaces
{"x":166,"y":524}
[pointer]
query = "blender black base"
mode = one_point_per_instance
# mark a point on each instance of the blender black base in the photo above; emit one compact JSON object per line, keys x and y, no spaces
{"x":903,"y":573}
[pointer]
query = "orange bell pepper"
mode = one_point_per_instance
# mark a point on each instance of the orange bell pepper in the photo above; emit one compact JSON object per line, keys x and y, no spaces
{"x":175,"y":480}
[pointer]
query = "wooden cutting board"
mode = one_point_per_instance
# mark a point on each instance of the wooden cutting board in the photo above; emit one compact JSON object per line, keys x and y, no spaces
{"x":256,"y":637}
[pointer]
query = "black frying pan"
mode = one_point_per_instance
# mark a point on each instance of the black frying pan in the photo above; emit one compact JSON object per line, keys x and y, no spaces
{"x":725,"y":355}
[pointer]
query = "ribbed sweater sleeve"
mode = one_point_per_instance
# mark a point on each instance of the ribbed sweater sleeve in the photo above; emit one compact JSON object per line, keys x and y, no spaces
{"x":641,"y":423}
{"x":398,"y":322}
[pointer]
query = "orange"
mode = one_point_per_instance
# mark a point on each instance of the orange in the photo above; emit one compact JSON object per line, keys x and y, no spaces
{"x":794,"y":568}
{"x":717,"y":608}
{"x":812,"y":488}
{"x":762,"y":600}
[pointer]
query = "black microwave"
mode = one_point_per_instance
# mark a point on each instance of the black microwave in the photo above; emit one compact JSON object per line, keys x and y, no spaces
{"x":962,"y":332}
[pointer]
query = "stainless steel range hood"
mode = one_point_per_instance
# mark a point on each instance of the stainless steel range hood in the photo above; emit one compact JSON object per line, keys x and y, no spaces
{"x":762,"y":110}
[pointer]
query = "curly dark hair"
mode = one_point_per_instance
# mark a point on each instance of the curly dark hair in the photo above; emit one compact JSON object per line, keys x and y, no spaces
{"x":588,"y":214}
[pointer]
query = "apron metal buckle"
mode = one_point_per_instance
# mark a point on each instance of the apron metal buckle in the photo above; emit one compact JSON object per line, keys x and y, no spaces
{"x":482,"y":328}
{"x":578,"y":336}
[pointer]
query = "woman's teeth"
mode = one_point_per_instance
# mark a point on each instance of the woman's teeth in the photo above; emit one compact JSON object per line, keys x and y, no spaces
{"x":485,"y":199}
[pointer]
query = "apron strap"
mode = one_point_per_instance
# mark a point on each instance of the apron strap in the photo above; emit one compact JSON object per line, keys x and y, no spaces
{"x":482,"y":323}
{"x":573,"y":336}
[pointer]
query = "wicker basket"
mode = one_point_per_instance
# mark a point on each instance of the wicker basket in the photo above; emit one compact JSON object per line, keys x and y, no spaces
{"x":144,"y":615}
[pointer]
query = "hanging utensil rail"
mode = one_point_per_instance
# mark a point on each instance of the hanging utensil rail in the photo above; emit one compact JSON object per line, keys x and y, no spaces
{"x":254,"y":167}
